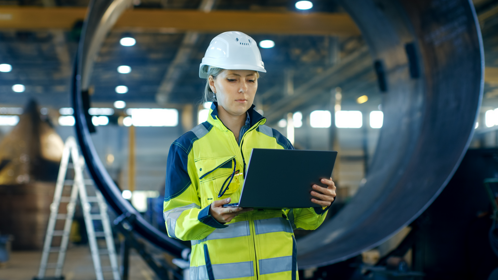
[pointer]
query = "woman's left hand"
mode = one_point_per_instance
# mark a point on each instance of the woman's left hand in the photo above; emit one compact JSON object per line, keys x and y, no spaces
{"x":324,"y":196}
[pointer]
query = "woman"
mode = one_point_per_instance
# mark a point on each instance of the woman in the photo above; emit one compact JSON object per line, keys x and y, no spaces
{"x":206,"y":169}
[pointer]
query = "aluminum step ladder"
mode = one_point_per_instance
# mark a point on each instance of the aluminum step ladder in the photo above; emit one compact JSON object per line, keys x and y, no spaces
{"x":78,"y":186}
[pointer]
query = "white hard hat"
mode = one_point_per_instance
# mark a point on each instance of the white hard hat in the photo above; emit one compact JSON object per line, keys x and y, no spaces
{"x":232,"y":50}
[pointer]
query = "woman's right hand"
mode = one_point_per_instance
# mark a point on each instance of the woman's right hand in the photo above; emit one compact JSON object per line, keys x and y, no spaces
{"x":225,"y":214}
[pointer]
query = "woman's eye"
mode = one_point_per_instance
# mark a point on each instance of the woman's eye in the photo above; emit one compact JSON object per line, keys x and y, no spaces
{"x":251,"y":81}
{"x":231,"y":80}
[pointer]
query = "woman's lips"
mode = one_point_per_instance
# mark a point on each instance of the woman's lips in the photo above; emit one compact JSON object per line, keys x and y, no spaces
{"x":241,"y":100}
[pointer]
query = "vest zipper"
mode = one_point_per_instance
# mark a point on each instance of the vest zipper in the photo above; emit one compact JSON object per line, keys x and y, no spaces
{"x":242,"y":143}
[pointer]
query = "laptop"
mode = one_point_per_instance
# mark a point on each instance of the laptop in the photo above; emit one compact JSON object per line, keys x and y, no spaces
{"x":277,"y":178}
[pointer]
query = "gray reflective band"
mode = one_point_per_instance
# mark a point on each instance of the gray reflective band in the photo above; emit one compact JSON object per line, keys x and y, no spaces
{"x":272,"y":225}
{"x":198,"y":273}
{"x":266,"y":130}
{"x":233,"y":230}
{"x":172,"y":215}
{"x":223,"y":271}
{"x":275,"y":265}
{"x":200,"y":131}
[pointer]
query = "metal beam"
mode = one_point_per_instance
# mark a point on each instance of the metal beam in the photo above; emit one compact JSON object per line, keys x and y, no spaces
{"x":182,"y":55}
{"x":186,"y":20}
{"x":348,"y":67}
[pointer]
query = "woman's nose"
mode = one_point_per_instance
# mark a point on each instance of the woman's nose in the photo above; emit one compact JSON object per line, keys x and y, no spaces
{"x":243,"y":87}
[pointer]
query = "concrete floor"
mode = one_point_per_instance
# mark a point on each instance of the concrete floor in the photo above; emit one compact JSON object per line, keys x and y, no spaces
{"x":78,"y":266}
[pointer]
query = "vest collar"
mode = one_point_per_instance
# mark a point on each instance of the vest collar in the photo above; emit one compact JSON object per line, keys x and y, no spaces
{"x":213,"y":118}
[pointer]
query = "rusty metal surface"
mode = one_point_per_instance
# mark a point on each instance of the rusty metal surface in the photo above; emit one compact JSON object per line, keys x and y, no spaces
{"x":31,"y":151}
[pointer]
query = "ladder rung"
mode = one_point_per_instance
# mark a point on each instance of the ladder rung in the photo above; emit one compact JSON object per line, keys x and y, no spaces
{"x":107,"y":268}
{"x":96,"y":217}
{"x":100,"y":234}
{"x":66,"y":199}
{"x":87,"y":182}
{"x":92,"y":199}
{"x":58,"y":233}
{"x":61,"y":216}
{"x":104,"y":252}
{"x":55,"y":249}
{"x":51,"y":265}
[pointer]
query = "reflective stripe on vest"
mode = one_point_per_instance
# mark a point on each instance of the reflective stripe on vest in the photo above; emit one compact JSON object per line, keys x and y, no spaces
{"x":272,"y":225}
{"x":233,"y":230}
{"x":275,"y":265}
{"x":172,"y":215}
{"x":223,"y":271}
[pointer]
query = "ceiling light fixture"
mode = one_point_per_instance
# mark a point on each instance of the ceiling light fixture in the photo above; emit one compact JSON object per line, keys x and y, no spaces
{"x":124,"y":69}
{"x":304,"y":5}
{"x":120,"y":104}
{"x":127,"y":41}
{"x":121,"y":89}
{"x":4,"y":67}
{"x":18,"y":88}
{"x":267,"y":44}
{"x":362,"y":99}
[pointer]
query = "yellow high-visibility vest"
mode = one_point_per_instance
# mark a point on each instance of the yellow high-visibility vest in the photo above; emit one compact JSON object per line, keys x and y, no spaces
{"x":255,"y":245}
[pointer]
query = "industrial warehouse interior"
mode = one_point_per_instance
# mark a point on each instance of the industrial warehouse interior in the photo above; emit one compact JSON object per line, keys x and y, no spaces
{"x":94,"y":93}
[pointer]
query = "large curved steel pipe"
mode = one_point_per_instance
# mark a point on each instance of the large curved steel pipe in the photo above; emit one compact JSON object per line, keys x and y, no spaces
{"x":429,"y":61}
{"x":99,"y":8}
{"x":430,"y":53}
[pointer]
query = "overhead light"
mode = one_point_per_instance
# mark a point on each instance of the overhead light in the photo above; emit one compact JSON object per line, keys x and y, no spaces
{"x":66,"y":121}
{"x":127,"y":121}
{"x":489,"y":118}
{"x":120,"y":104}
{"x":267,"y":44}
{"x":282,"y":123}
{"x":101,"y":111}
{"x":124,"y":69}
{"x":18,"y":88}
{"x":348,"y":119}
{"x":127,"y":41}
{"x":110,"y":159}
{"x":9,"y":120}
{"x":121,"y":89}
{"x":320,"y":119}
{"x":4,"y":67}
{"x":304,"y":5}
{"x":297,"y":119}
{"x":362,"y":99}
{"x":202,"y":116}
{"x":100,"y":120}
{"x":66,"y":111}
{"x":153,"y":116}
{"x":126,"y":194}
{"x":11,"y":110}
{"x":376,"y":119}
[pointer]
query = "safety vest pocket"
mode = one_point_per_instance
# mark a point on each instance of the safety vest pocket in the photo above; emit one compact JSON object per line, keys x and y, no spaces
{"x":214,"y":173}
{"x":213,"y":168}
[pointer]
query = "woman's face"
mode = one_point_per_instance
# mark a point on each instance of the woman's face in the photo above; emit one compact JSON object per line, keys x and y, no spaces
{"x":235,"y":90}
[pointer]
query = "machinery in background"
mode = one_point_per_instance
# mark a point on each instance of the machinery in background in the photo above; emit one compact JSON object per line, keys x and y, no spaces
{"x":29,"y":161}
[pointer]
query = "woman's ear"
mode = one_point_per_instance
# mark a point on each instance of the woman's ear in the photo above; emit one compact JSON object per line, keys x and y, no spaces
{"x":211,"y":84}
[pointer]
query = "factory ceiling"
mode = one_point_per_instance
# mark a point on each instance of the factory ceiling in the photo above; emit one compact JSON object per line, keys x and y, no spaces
{"x":164,"y":61}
